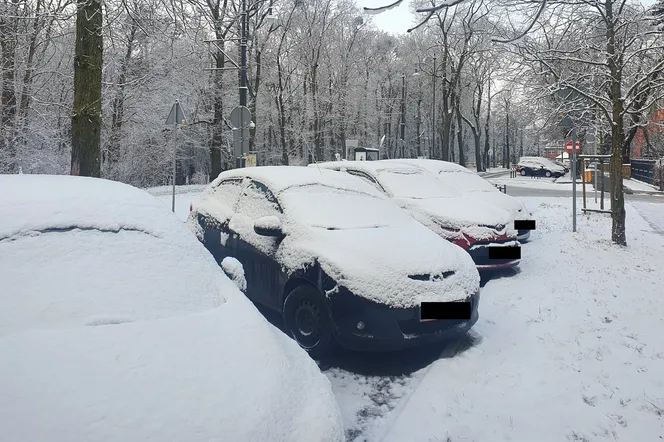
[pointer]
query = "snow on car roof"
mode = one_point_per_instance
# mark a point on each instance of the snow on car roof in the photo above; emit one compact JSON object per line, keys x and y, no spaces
{"x":369,"y":166}
{"x":42,"y":202}
{"x":432,"y":166}
{"x":279,"y":178}
{"x":84,"y":251}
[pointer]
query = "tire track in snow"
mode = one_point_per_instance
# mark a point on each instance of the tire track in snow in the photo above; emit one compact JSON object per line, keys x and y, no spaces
{"x":372,"y":390}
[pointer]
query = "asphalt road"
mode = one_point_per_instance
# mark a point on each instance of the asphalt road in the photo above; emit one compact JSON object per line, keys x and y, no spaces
{"x":527,"y":191}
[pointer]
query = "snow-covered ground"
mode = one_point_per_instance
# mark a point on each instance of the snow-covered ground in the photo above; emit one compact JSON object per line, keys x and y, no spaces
{"x":568,"y":349}
{"x":183,"y":197}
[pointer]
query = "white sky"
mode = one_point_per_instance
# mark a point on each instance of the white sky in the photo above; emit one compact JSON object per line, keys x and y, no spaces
{"x":394,"y":21}
{"x":398,"y":20}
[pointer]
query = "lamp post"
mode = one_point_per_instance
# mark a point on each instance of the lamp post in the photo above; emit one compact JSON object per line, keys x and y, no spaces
{"x":403,"y":115}
{"x":433,"y":110}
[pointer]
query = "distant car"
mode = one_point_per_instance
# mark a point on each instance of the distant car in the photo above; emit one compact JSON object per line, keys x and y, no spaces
{"x":536,"y":166}
{"x":116,"y":324}
{"x":473,"y":186}
{"x":336,"y":259}
{"x":457,"y":218}
{"x":561,"y":164}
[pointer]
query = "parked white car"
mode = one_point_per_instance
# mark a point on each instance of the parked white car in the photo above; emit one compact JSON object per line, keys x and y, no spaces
{"x":473,"y":186}
{"x":117,"y":325}
{"x":474,"y":227}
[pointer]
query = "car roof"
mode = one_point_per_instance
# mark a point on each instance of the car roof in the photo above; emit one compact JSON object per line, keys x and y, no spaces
{"x":84,"y":251}
{"x":47,"y":202}
{"x":432,"y":166}
{"x":280,"y":178}
{"x":372,"y":167}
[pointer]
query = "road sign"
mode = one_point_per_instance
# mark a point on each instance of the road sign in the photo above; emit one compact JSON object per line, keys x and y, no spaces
{"x":568,"y":146}
{"x":240,"y":117}
{"x":176,"y":116}
{"x":251,"y":160}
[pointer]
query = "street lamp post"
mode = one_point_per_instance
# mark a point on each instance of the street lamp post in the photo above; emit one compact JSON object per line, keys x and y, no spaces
{"x":403,"y":115}
{"x":433,"y":111}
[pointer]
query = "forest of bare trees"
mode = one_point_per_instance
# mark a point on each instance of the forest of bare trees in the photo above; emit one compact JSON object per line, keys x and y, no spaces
{"x":321,"y":73}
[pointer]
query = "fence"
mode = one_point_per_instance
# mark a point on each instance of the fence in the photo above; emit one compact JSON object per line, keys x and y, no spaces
{"x":643,"y":170}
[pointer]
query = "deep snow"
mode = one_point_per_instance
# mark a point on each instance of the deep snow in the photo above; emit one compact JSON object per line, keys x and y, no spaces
{"x":570,"y":348}
{"x":116,"y":324}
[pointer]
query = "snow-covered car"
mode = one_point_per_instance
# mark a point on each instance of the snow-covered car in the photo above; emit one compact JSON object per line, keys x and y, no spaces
{"x":459,"y":219}
{"x":473,"y":186}
{"x":117,"y":325}
{"x":538,"y":166}
{"x":335,"y":258}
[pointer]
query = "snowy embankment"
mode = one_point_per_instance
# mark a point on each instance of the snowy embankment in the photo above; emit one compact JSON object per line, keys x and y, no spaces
{"x":569,"y":349}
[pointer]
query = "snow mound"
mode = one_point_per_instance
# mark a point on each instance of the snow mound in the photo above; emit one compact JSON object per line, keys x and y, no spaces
{"x":234,"y":270}
{"x":568,"y":349}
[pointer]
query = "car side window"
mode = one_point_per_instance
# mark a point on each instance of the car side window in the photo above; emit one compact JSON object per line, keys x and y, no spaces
{"x":258,"y":201}
{"x":228,"y":192}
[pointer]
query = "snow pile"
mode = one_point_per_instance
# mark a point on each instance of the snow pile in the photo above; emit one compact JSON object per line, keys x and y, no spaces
{"x":570,"y":348}
{"x":234,"y":270}
{"x":122,"y":327}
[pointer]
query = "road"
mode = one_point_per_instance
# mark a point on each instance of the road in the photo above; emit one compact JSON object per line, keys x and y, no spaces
{"x":522,"y":191}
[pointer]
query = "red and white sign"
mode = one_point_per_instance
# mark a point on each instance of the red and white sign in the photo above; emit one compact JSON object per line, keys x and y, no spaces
{"x":568,"y":146}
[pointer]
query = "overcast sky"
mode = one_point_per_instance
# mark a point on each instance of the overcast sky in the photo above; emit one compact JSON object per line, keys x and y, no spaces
{"x":398,"y":20}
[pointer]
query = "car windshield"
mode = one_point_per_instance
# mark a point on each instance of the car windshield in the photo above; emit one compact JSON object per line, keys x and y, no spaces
{"x":465,"y":182}
{"x":415,"y":184}
{"x":336,"y":209}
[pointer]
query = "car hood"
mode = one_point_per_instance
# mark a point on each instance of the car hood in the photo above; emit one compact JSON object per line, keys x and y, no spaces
{"x":501,"y":201}
{"x":224,"y":374}
{"x":464,"y":214}
{"x":398,"y":266}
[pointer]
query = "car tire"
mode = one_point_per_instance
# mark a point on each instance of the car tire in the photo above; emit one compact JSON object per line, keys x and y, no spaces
{"x":547,"y":174}
{"x":523,"y":172}
{"x":308,"y":321}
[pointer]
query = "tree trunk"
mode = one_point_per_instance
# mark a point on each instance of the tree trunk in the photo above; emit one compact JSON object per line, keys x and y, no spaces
{"x":7,"y":91}
{"x":462,"y":159}
{"x":218,"y":117}
{"x":86,"y":118}
{"x":617,"y":135}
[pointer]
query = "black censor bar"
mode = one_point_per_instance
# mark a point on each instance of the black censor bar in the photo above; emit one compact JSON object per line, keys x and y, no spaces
{"x":445,"y":310}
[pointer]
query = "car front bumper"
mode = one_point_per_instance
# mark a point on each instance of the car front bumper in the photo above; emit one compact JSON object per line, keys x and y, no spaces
{"x":386,"y":328}
{"x":479,"y":251}
{"x":523,"y":235}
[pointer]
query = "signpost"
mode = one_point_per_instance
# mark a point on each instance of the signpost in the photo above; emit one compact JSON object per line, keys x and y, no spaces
{"x":176,"y":118}
{"x":568,"y":123}
{"x":241,"y":121}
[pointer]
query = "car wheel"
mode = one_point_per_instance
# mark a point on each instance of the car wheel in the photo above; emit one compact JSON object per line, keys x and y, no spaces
{"x":307,"y":320}
{"x":523,"y":172}
{"x":547,"y":174}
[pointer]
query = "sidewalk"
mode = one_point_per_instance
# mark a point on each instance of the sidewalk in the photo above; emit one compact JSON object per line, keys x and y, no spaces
{"x":568,"y":349}
{"x":640,"y":187}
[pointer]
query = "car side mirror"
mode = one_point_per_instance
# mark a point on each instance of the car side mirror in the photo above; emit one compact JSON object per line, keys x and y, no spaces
{"x":268,"y":226}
